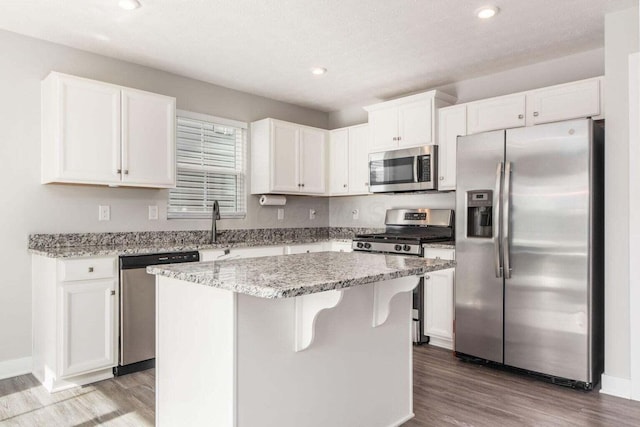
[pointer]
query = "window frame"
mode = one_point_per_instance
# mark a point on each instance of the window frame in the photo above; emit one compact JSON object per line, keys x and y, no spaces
{"x":244,"y":127}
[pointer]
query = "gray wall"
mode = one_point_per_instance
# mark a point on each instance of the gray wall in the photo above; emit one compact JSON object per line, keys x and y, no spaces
{"x":621,"y":39}
{"x":31,"y":207}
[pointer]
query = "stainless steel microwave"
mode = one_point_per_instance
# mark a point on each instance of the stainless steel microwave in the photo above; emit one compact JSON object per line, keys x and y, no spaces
{"x":410,"y":169}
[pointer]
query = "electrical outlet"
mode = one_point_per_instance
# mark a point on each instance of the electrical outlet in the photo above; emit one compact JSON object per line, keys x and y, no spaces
{"x":312,"y":214}
{"x":280,"y":214}
{"x":153,"y":212}
{"x":104,"y":213}
{"x":355,"y":214}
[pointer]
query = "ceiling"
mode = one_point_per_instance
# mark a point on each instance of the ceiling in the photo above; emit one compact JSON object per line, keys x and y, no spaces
{"x":373,"y":49}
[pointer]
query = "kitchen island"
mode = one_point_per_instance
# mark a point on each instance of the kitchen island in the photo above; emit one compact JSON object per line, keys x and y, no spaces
{"x":313,"y":339}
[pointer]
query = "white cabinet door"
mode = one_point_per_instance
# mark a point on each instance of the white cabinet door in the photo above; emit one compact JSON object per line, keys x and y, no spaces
{"x":313,"y":149}
{"x":359,"y":159}
{"x":452,"y":123}
{"x":88,"y":131}
{"x":285,"y":169}
{"x":439,"y":307}
{"x":148,"y":139}
{"x":339,"y":162}
{"x":383,"y":128}
{"x":565,"y":102}
{"x":415,"y":125}
{"x":497,"y":113}
{"x":87,"y":326}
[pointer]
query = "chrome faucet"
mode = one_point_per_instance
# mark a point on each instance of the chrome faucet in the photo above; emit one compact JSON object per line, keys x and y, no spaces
{"x":215,"y":215}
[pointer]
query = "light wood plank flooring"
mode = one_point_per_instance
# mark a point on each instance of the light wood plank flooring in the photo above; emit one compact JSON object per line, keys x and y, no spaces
{"x":448,"y":392}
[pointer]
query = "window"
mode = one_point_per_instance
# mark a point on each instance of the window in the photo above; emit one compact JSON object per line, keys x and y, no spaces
{"x":210,"y":165}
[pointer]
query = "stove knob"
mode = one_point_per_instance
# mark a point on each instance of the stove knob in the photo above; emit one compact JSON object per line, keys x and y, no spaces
{"x":398,"y":247}
{"x":367,"y":245}
{"x":406,"y":248}
{"x":359,"y":245}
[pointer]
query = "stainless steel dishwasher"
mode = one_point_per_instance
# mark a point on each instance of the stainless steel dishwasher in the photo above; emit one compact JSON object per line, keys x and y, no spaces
{"x":138,"y":309}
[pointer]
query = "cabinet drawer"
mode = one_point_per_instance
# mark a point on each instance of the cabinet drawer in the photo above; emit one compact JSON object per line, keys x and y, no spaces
{"x":439,"y":253}
{"x":86,"y":269}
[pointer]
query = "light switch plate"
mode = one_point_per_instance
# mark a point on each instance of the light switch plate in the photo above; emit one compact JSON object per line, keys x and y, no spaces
{"x":280,"y":214}
{"x":153,"y":212}
{"x":104,"y":213}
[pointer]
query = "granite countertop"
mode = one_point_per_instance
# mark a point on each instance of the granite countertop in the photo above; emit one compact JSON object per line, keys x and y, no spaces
{"x":150,"y":248}
{"x":286,"y":276}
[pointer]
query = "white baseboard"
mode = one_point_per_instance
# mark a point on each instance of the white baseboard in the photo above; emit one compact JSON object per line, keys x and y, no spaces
{"x":615,"y":386}
{"x":15,"y":367}
{"x":403,"y":420}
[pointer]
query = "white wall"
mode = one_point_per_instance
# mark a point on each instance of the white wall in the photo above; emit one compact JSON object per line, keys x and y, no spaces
{"x":30,"y":207}
{"x":621,"y":39}
{"x":556,"y":71}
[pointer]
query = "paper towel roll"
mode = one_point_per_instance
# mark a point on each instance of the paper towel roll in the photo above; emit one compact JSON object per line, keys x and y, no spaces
{"x":268,"y":200}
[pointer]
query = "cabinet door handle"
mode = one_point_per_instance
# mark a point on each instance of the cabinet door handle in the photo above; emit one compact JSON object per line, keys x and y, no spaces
{"x":345,"y":185}
{"x":366,"y":184}
{"x":395,"y":138}
{"x":118,"y":171}
{"x":442,"y":178}
{"x":301,"y":185}
{"x":113,"y":292}
{"x":536,"y":114}
{"x":427,"y":277}
{"x":520,"y":116}
{"x":126,"y":171}
{"x":90,"y":269}
{"x":399,"y":138}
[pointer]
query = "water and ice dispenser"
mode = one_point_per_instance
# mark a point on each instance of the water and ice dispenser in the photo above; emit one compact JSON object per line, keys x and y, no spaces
{"x":479,"y":213}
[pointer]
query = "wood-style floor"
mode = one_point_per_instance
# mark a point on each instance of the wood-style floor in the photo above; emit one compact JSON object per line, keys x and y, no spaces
{"x":447,"y":392}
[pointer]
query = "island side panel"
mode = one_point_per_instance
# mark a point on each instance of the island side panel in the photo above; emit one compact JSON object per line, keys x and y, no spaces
{"x":195,"y":354}
{"x":352,"y":374}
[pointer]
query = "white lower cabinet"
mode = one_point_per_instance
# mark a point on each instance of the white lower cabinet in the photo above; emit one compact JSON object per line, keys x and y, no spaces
{"x":439,"y":300}
{"x":438,"y":289}
{"x":74,"y":320}
{"x":87,"y":326}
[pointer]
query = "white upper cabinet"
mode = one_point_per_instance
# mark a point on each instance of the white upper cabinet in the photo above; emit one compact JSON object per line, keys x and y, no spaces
{"x":339,"y":162}
{"x":384,"y":129}
{"x":413,"y":127}
{"x":359,"y":159}
{"x":286,"y":151}
{"x":148,"y":138}
{"x":496,"y":113}
{"x":452,"y":122}
{"x":406,"y":122}
{"x":349,"y":161}
{"x":287,"y":158}
{"x":81,"y":131}
{"x":313,"y":163}
{"x":552,"y":104}
{"x":99,"y":133}
{"x":564,"y":102}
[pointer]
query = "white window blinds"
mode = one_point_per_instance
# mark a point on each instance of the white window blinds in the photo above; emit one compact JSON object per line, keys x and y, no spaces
{"x":210,"y":165}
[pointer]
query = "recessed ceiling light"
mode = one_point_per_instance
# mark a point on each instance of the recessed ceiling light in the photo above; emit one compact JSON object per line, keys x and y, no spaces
{"x":318,"y":71}
{"x":129,"y":4}
{"x":487,"y":12}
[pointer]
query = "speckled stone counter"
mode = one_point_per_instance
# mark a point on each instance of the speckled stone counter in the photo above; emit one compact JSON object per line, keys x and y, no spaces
{"x":294,"y":275}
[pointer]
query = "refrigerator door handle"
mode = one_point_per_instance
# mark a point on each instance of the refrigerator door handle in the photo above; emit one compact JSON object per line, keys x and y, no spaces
{"x":497,"y":196}
{"x":506,"y":219}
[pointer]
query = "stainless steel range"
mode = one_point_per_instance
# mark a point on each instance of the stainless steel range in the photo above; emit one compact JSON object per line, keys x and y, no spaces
{"x":407,"y":230}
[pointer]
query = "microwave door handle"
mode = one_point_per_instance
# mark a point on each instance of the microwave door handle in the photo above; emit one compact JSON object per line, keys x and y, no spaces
{"x":415,"y":169}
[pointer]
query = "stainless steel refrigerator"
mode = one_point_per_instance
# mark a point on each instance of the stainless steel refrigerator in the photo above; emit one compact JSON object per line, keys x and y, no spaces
{"x":529,"y":249}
